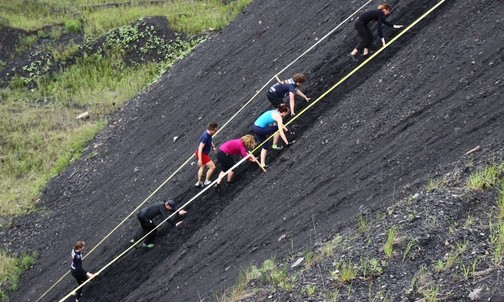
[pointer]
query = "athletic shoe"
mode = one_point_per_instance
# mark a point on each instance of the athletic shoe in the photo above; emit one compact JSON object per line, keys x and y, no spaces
{"x":275,"y":147}
{"x":354,"y":58}
{"x":149,"y":246}
{"x":198,"y":184}
{"x":207,"y":182}
{"x":132,"y":240}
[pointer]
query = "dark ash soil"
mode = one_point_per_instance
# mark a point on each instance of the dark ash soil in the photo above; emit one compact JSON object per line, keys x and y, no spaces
{"x":407,"y":115}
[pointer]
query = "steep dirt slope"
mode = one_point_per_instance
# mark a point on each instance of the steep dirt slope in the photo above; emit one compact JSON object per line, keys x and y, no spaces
{"x":423,"y":102}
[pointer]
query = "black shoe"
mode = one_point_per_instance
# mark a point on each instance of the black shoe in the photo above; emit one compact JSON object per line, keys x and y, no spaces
{"x":354,"y":58}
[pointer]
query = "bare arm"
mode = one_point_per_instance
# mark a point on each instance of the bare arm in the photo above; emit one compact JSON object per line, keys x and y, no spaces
{"x":278,"y":119}
{"x":301,"y":94}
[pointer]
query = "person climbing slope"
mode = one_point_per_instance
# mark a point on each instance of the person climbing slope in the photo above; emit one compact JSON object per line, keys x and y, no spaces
{"x":202,"y":155}
{"x":268,"y":123}
{"x":78,"y":272}
{"x":290,"y":87}
{"x":147,"y":215}
{"x":362,"y":27}
{"x":226,"y":152}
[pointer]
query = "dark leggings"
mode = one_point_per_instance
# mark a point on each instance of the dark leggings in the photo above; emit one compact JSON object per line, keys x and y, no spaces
{"x":80,"y":277}
{"x":365,"y":35}
{"x":147,"y":226}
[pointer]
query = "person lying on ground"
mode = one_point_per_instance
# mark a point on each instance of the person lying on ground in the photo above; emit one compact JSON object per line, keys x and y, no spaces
{"x":362,"y":27}
{"x":202,"y":155}
{"x":226,"y":152}
{"x":277,"y":93}
{"x":268,"y":123}
{"x":78,"y":272}
{"x":147,"y":215}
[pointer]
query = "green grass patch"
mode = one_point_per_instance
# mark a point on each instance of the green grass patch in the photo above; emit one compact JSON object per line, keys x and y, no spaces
{"x":10,"y":269}
{"x":187,"y":16}
{"x":42,"y":134}
{"x":485,"y":178}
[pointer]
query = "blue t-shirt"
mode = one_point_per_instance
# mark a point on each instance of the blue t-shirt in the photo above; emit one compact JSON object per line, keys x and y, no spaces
{"x":206,"y":139}
{"x":266,"y":119}
{"x":281,"y":90}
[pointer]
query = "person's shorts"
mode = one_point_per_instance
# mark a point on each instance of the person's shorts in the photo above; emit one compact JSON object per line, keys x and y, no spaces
{"x":226,"y":162}
{"x":205,"y":158}
{"x":261,"y":134}
{"x":276,"y":102}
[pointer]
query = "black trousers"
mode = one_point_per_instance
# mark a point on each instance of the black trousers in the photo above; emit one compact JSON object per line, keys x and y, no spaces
{"x":147,"y":226}
{"x":365,"y":35}
{"x":80,"y":277}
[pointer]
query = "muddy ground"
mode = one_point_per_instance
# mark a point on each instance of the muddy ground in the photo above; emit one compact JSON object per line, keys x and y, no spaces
{"x":420,"y":105}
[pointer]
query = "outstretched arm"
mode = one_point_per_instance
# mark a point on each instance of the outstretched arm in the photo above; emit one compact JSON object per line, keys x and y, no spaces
{"x":278,"y":119}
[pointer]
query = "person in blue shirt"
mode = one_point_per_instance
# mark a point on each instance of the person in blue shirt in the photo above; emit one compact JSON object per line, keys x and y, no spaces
{"x":78,"y":272}
{"x":268,"y":123}
{"x":277,"y":93}
{"x":202,"y":155}
{"x":362,"y":27}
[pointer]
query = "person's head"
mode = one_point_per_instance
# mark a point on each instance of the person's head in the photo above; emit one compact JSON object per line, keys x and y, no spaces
{"x":299,"y":78}
{"x":248,"y":141}
{"x":212,"y":128}
{"x":284,"y":110}
{"x":170,"y":205}
{"x":79,"y":245}
{"x":385,"y":8}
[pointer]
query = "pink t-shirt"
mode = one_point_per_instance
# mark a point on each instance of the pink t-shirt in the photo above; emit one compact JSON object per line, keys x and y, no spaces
{"x":234,"y":147}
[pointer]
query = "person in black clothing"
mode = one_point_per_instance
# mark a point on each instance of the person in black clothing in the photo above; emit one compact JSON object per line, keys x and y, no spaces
{"x":77,"y":271}
{"x":362,"y":27}
{"x":147,"y":215}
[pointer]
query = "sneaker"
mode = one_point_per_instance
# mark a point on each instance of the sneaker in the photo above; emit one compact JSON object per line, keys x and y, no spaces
{"x":198,"y":184}
{"x":354,"y":58}
{"x":207,"y":182}
{"x":149,"y":246}
{"x":275,"y":147}
{"x":132,"y":240}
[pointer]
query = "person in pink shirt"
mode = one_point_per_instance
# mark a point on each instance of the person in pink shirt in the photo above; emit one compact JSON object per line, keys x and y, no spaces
{"x":226,"y":152}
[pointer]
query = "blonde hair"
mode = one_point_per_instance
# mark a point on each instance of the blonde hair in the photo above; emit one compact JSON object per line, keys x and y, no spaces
{"x":248,"y":140}
{"x":384,"y":6}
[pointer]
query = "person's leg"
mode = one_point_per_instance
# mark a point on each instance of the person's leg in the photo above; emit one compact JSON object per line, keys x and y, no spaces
{"x":148,"y":226}
{"x":201,"y":171}
{"x":230,"y":176}
{"x":264,"y":152}
{"x":362,"y":32}
{"x":276,"y":136}
{"x":368,"y":41}
{"x":211,"y":168}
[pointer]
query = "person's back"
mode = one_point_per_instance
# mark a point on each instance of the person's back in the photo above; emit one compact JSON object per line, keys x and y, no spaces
{"x":154,"y":210}
{"x":265,"y":119}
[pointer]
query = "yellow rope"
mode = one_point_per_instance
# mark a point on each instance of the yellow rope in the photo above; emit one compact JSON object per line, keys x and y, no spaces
{"x":255,"y":149}
{"x":220,"y":128}
{"x":295,"y":117}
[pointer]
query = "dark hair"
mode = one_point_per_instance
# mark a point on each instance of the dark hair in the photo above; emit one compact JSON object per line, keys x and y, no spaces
{"x":212,"y":126}
{"x":283,"y":108}
{"x":171,"y":203}
{"x":299,"y":78}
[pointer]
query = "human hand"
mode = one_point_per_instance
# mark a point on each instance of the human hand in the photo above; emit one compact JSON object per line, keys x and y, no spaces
{"x":178,"y":224}
{"x":182,"y":212}
{"x":307,"y":99}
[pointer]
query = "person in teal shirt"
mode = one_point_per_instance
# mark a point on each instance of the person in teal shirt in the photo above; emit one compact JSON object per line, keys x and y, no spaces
{"x":268,"y":123}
